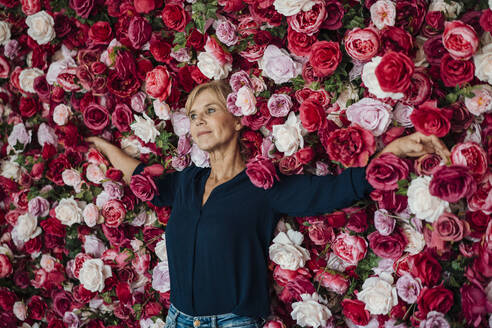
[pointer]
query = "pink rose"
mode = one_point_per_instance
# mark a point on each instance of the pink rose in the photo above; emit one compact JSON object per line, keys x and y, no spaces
{"x":472,"y":156}
{"x":122,"y":117}
{"x":226,"y":32}
{"x":475,"y":304}
{"x":261,"y":172}
{"x":158,"y":83}
{"x":96,"y":117}
{"x":408,"y":288}
{"x":350,"y":248}
{"x":481,"y":200}
{"x":309,"y":21}
{"x":143,"y":186}
{"x":332,"y":281}
{"x":38,"y":206}
{"x":385,"y":171}
{"x":383,"y":223}
{"x":279,"y":105}
{"x":114,"y":213}
{"x":214,"y":48}
{"x":388,"y":247}
{"x":239,"y":79}
{"x":138,"y":102}
{"x":450,"y":228}
{"x":362,"y":44}
{"x":139,"y":31}
{"x":370,"y":114}
{"x":283,"y":276}
{"x":5,"y":266}
{"x":320,"y":233}
{"x":460,"y":39}
{"x":451,"y":183}
{"x":427,"y":164}
{"x":294,"y":288}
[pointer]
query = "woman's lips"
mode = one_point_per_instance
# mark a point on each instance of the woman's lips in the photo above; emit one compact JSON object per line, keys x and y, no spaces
{"x":203,"y":132}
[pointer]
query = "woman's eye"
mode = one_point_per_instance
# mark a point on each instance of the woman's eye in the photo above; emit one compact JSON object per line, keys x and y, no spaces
{"x":211,"y":110}
{"x":192,"y":116}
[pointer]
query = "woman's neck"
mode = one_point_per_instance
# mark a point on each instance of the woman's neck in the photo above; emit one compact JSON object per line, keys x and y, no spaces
{"x":225,"y":165}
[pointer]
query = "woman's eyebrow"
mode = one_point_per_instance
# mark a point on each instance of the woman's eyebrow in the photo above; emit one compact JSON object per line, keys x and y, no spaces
{"x":212,"y":103}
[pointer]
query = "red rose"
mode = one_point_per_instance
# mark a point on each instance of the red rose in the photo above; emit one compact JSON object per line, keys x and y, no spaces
{"x":428,"y":119}
{"x":305,"y":155}
{"x":481,"y":200}
{"x":36,"y":308}
{"x":82,"y":8}
{"x":320,"y":233}
{"x":151,"y":309}
{"x":486,"y":20}
{"x":478,"y":222}
{"x":472,"y":156}
{"x":434,"y":23}
{"x":122,"y":117}
{"x":96,"y":117}
{"x":28,"y":106}
{"x":355,"y":311}
{"x":388,"y":247}
{"x":289,"y":165}
{"x":456,"y":72}
{"x":139,"y":32}
{"x":143,"y":186}
{"x":350,"y":248}
{"x":294,"y":288}
{"x":82,"y":295}
{"x":312,"y":115}
{"x":350,"y":146}
{"x":321,"y":96}
{"x":437,"y":299}
{"x":460,"y":40}
{"x":427,"y":164}
{"x":160,"y":50}
{"x":362,"y":44}
{"x":114,"y":174}
{"x":196,"y":40}
{"x":4,"y":68}
{"x":100,"y":33}
{"x":7,"y":299}
{"x":396,"y":39}
{"x":426,"y":268}
{"x":357,"y":221}
{"x":56,"y":168}
{"x":309,"y":21}
{"x":114,"y":213}
{"x":474,"y":304}
{"x":158,"y":83}
{"x":452,"y":183}
{"x":410,"y":14}
{"x":385,"y":171}
{"x":261,"y":172}
{"x":123,"y":292}
{"x":123,"y":88}
{"x":394,"y":72}
{"x":62,"y":302}
{"x":449,"y":227}
{"x":283,"y":276}
{"x":434,"y":50}
{"x":232,"y":5}
{"x":144,"y":6}
{"x":30,"y":7}
{"x":299,"y":43}
{"x":175,"y":17}
{"x":336,"y":219}
{"x":5,"y":266}
{"x":335,"y":13}
{"x":325,"y":57}
{"x":332,"y":281}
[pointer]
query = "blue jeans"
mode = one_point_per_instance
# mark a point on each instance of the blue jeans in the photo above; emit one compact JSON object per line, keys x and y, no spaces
{"x":178,"y":319}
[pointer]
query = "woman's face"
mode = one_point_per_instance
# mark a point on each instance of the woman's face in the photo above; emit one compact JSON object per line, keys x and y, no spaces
{"x":212,"y":126}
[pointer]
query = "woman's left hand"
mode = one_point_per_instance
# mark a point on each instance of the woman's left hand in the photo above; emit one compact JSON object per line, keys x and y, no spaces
{"x":416,"y":145}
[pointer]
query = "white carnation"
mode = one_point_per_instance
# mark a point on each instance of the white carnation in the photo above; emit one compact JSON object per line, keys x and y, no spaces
{"x":288,"y":136}
{"x":310,"y":311}
{"x":379,"y":295}
{"x":68,"y":211}
{"x":144,"y":128}
{"x":422,"y":203}
{"x":287,"y":251}
{"x":93,"y":273}
{"x":416,"y":241}
{"x":10,"y":169}
{"x":41,"y":27}
{"x":25,"y":229}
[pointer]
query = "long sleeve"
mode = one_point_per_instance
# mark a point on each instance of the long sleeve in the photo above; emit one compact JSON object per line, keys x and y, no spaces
{"x":166,"y":186}
{"x":305,"y":195}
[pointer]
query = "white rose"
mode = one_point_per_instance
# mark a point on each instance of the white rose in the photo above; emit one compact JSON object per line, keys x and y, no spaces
{"x":181,"y":123}
{"x":288,"y":136}
{"x":451,"y":9}
{"x":383,"y":13}
{"x":490,"y":4}
{"x":160,"y":277}
{"x":91,"y":215}
{"x":68,"y":211}
{"x":41,"y":27}
{"x":61,"y":114}
{"x":483,"y":64}
{"x":144,"y":128}
{"x":47,"y":262}
{"x":292,"y":7}
{"x":25,"y":229}
{"x":94,"y":173}
{"x":160,"y":249}
{"x":162,"y":110}
{"x":4,"y":33}
{"x":277,"y":65}
{"x":93,"y":273}
{"x":71,"y":177}
{"x":416,"y":241}
{"x":102,"y":199}
{"x":20,"y":135}
{"x":211,"y":67}
{"x":199,"y":157}
{"x":20,"y":310}
{"x":422,"y":203}
{"x":287,"y":251}
{"x":310,"y":311}
{"x":46,"y":134}
{"x":371,"y":81}
{"x":379,"y":295}
{"x":94,"y":246}
{"x":246,"y":100}
{"x":10,"y":170}
{"x":27,"y":77}
{"x":336,"y":263}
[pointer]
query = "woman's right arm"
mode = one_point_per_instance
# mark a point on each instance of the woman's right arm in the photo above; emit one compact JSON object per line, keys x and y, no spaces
{"x":118,"y":158}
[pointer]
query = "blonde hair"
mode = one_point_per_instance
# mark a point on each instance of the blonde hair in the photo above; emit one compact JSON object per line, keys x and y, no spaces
{"x":220,"y":87}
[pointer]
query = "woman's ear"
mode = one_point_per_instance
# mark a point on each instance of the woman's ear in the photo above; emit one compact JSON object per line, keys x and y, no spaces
{"x":238,"y":126}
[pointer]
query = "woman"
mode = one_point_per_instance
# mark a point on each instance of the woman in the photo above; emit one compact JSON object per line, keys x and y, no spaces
{"x":221,"y":225}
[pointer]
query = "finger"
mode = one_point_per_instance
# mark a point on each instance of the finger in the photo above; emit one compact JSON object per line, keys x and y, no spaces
{"x":441,"y":148}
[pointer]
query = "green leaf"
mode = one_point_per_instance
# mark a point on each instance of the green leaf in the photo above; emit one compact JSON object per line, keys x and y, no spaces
{"x":298,"y":82}
{"x":306,"y":224}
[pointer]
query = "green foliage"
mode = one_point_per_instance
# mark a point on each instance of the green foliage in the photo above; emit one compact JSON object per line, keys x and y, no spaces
{"x":334,"y":84}
{"x":297,"y":82}
{"x":202,"y":11}
{"x":163,"y":140}
{"x":364,"y":267}
{"x":402,"y":187}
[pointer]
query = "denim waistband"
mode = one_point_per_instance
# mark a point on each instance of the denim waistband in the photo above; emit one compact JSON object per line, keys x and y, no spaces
{"x":211,"y":321}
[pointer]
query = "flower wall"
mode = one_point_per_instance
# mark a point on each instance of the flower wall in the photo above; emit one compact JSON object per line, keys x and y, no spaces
{"x":320,"y":85}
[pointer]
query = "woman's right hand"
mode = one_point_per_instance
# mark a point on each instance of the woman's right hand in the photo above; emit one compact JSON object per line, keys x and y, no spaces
{"x":97,"y":142}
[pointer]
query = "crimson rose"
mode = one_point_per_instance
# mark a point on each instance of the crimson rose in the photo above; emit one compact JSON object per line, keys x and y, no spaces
{"x":325,"y":57}
{"x":351,"y":146}
{"x":394,"y":72}
{"x":452,"y":183}
{"x":385,"y":171}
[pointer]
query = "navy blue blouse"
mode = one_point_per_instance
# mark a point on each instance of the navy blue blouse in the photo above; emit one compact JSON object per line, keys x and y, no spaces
{"x":218,"y":252}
